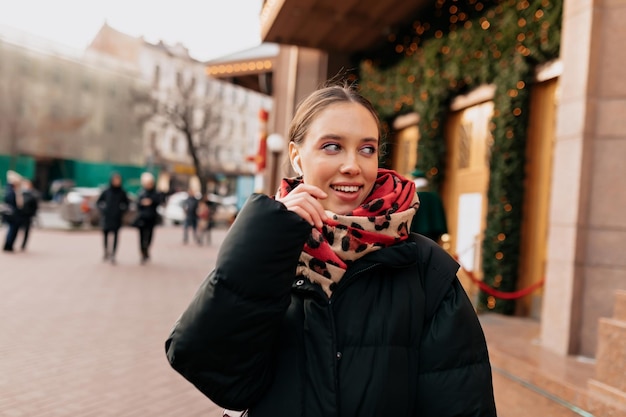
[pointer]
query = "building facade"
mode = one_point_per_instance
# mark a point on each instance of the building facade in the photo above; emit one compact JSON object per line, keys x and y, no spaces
{"x":60,"y":113}
{"x":221,"y":118}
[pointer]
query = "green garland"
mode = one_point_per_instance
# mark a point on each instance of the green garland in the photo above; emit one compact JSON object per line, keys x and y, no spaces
{"x":453,"y":48}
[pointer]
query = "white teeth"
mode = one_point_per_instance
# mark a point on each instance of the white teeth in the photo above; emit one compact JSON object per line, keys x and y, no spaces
{"x":346,"y":188}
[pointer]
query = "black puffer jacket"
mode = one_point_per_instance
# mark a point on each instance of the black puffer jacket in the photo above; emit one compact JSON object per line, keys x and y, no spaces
{"x":147,"y":215}
{"x":399,"y":336}
{"x":113,"y":203}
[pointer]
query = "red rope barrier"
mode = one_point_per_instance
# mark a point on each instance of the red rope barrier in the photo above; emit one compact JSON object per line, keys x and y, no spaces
{"x":501,"y":294}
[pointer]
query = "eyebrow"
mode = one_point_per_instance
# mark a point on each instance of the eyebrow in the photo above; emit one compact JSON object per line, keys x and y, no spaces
{"x":338,"y":137}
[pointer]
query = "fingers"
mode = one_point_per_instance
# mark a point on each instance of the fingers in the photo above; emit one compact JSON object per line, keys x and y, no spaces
{"x":308,"y":209}
{"x":303,"y":200}
{"x":311,"y":189}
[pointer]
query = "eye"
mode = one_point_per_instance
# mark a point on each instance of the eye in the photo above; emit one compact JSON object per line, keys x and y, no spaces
{"x":331,"y":147}
{"x":369,"y":150}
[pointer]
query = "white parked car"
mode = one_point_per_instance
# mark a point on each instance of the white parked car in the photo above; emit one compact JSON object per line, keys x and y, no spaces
{"x":79,"y":206}
{"x":174,"y":212}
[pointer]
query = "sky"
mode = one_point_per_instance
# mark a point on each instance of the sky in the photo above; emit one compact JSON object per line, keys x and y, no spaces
{"x":208,"y":28}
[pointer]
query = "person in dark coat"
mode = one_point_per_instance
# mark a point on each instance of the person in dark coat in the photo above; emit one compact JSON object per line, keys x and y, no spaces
{"x":190,"y":205}
{"x":14,"y":202}
{"x":112,"y":203}
{"x":430,"y":219}
{"x":322,"y":303}
{"x":206,"y":209}
{"x":148,"y":200}
{"x":28,"y":211}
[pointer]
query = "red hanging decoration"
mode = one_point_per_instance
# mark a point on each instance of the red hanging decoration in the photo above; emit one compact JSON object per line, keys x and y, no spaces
{"x":260,"y":158}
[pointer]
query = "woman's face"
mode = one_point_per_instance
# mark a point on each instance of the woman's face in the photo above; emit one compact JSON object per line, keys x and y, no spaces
{"x":339,"y":154}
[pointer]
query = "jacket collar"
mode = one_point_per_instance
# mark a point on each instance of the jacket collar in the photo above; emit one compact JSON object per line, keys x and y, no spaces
{"x":400,"y":255}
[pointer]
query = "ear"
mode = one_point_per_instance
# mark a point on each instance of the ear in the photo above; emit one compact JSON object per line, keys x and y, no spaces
{"x":294,"y":157}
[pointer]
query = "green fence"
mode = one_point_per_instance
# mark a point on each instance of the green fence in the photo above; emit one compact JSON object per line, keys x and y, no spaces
{"x":24,"y":165}
{"x":82,"y":173}
{"x":89,"y":174}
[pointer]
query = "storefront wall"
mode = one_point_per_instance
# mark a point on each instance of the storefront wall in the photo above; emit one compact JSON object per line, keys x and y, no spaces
{"x":587,"y":230}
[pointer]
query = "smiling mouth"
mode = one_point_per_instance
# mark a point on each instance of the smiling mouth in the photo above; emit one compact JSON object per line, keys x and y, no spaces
{"x":346,"y":188}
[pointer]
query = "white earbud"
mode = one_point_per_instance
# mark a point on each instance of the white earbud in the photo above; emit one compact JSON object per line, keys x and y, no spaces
{"x":296,"y":165}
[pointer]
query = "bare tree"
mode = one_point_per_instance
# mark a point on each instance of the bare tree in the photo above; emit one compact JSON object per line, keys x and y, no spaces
{"x":197,"y":117}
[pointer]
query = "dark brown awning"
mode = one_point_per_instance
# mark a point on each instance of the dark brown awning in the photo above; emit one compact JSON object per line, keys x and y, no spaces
{"x":335,"y":25}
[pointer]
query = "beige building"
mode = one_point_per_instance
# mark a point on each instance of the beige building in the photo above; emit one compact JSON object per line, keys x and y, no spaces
{"x":231,"y":111}
{"x":62,"y":111}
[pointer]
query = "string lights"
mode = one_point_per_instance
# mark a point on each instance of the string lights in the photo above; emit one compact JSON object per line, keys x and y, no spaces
{"x":450,"y":49}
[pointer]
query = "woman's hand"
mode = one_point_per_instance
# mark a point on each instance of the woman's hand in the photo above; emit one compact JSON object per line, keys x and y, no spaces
{"x":303,"y":200}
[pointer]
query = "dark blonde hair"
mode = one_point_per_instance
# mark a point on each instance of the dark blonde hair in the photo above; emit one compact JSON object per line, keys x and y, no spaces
{"x":321,"y":99}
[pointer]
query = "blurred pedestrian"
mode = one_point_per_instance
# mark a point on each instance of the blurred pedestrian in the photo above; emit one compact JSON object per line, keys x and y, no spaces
{"x":29,"y":209}
{"x":14,"y":201}
{"x":148,"y":200}
{"x":322,"y":303}
{"x":205,"y":221}
{"x":113,"y":202}
{"x":190,"y":206}
{"x":430,"y":219}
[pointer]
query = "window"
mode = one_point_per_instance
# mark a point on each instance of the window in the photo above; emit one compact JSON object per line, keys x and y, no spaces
{"x":56,"y":76}
{"x":25,"y":66}
{"x":157,"y":77}
{"x":55,"y":111}
{"x":179,"y":79}
{"x":152,"y":141}
{"x":109,"y":126}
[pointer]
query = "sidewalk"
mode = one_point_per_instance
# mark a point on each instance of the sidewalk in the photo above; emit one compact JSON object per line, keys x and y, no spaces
{"x":85,"y":338}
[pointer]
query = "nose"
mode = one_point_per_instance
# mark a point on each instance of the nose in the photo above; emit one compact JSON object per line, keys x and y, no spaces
{"x":350,"y":166}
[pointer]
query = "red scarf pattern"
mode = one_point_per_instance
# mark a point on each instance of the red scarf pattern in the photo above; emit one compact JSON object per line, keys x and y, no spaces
{"x":382,"y":220}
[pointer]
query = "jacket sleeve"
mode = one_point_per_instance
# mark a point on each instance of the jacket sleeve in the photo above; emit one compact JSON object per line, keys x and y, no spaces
{"x":100,"y":203}
{"x":455,"y":373}
{"x":125,"y":202}
{"x":223,"y":343}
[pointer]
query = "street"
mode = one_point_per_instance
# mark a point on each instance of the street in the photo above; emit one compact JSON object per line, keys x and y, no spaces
{"x":81,"y":337}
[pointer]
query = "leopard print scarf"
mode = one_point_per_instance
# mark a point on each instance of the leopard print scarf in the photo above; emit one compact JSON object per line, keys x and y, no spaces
{"x":382,"y":220}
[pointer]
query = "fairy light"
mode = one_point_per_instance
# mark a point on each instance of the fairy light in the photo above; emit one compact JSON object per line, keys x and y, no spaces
{"x":431,"y":51}
{"x":497,"y":281}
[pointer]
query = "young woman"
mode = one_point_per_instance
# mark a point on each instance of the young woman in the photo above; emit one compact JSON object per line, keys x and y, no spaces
{"x":112,"y":203}
{"x":336,"y":310}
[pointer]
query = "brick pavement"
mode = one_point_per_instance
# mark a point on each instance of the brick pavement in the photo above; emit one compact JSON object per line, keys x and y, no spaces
{"x":79,"y":337}
{"x":83,"y":338}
